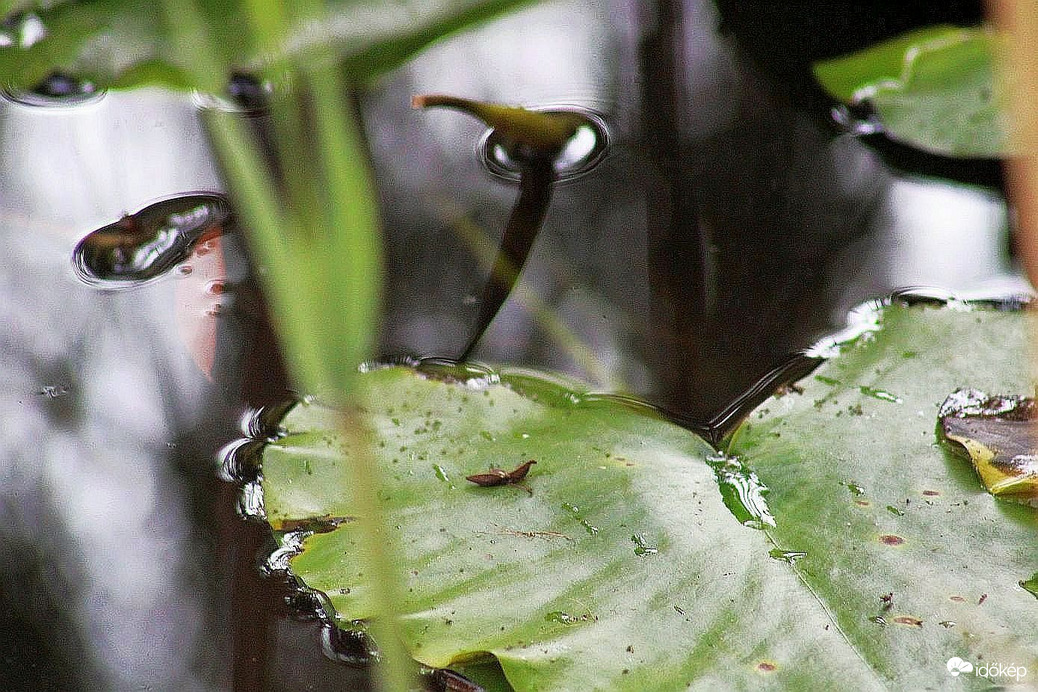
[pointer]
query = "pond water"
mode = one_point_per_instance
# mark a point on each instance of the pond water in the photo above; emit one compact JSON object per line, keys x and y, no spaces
{"x":123,"y":561}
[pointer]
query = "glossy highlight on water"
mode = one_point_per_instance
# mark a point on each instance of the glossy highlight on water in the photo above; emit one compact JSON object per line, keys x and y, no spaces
{"x":787,"y":556}
{"x":144,"y":246}
{"x":742,"y":491}
{"x":56,"y":90}
{"x":588,"y":146}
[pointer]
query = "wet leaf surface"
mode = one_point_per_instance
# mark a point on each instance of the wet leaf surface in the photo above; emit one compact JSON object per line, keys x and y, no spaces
{"x":624,"y":570}
{"x":880,"y":506}
{"x":933,"y":89}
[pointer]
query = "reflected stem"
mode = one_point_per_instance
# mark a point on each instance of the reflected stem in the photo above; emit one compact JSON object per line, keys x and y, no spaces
{"x":677,"y":260}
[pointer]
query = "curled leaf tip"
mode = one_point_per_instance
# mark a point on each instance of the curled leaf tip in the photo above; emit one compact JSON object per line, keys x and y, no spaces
{"x":543,"y":132}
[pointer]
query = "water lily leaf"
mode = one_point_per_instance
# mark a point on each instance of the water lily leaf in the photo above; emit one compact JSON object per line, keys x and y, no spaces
{"x":934,"y":89}
{"x":1000,"y":433}
{"x":901,"y":542}
{"x":881,"y":555}
{"x":623,"y":570}
{"x":126,"y":43}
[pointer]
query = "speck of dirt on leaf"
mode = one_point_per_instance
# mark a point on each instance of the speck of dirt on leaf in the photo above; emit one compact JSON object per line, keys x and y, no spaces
{"x":908,"y":620}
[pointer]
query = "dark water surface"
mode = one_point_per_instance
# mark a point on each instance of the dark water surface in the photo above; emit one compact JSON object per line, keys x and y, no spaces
{"x":123,"y":561}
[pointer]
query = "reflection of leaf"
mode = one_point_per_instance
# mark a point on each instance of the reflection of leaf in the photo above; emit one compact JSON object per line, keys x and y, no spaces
{"x":1001,"y":437}
{"x":125,"y":42}
{"x":933,"y":89}
{"x":836,"y":460}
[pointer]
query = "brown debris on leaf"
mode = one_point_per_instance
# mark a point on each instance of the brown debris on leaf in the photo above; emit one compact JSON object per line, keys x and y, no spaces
{"x":1000,"y":433}
{"x":496,"y":476}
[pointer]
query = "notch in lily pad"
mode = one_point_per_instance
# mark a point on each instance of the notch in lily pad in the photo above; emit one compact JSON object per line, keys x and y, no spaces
{"x":1000,"y":433}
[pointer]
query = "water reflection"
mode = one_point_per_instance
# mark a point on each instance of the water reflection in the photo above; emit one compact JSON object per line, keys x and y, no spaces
{"x":108,"y":531}
{"x":146,"y":245}
{"x":102,"y":472}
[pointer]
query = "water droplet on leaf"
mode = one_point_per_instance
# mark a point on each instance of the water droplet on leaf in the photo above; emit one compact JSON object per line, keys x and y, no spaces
{"x":879,"y":394}
{"x":641,"y":547}
{"x":789,"y":556}
{"x":742,"y":491}
{"x":563,"y":618}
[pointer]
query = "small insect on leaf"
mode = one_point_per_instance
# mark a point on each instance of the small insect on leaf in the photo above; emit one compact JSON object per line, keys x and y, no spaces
{"x":496,"y":476}
{"x":520,"y":471}
{"x":492,"y":477}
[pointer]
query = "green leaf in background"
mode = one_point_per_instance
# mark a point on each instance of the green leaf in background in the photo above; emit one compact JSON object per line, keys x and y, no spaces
{"x":623,"y":571}
{"x":125,"y":43}
{"x":934,"y":89}
{"x":915,"y":560}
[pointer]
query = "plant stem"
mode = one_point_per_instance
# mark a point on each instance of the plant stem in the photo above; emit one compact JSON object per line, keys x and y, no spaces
{"x":486,"y":253}
{"x":381,"y":553}
{"x":536,"y":179}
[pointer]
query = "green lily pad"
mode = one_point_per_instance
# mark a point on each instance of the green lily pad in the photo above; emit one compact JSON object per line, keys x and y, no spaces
{"x":624,"y":570}
{"x":934,"y":89}
{"x":877,"y":557}
{"x":902,"y":543}
{"x":126,"y":43}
